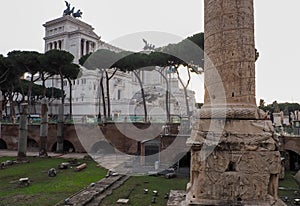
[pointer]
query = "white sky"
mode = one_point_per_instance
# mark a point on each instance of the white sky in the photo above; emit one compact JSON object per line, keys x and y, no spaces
{"x":277,"y":31}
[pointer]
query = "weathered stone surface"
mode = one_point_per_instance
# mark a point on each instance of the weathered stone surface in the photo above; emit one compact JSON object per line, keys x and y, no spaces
{"x":229,"y":47}
{"x":246,"y":162}
{"x":242,"y":163}
{"x":234,"y":135}
{"x":176,"y":198}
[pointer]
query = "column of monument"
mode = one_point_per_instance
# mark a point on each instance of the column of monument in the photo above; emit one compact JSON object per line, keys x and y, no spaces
{"x":234,"y":153}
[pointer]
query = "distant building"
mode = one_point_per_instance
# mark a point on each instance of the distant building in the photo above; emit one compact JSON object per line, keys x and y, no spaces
{"x":78,"y":38}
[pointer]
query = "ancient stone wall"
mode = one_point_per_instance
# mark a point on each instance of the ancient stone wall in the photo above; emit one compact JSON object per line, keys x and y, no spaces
{"x":84,"y":136}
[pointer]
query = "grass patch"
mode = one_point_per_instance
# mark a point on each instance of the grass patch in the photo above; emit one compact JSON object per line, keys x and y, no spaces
{"x":133,"y":189}
{"x":290,"y":186}
{"x":44,"y":190}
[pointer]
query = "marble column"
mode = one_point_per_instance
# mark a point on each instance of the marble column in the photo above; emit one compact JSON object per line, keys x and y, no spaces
{"x":234,"y":153}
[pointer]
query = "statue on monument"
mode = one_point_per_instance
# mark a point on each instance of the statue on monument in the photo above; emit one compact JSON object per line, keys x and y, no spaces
{"x":77,"y":14}
{"x":68,"y":11}
{"x":148,"y":46}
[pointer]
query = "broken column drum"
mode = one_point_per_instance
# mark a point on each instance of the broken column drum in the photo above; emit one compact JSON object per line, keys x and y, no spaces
{"x":243,"y":162}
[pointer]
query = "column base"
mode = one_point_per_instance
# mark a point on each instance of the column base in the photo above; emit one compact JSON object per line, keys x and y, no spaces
{"x":233,"y":162}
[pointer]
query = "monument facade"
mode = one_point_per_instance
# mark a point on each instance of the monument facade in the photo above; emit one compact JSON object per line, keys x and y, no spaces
{"x":234,"y":153}
{"x":71,"y":34}
{"x":79,"y":38}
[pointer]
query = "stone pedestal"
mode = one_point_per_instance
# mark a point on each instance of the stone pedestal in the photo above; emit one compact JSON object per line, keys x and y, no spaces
{"x":236,"y":165}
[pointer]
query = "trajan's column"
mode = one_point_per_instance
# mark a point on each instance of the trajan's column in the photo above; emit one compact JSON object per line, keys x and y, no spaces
{"x":235,"y":158}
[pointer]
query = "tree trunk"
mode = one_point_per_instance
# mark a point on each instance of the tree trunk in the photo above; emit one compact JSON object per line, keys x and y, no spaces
{"x":70,"y":101}
{"x":99,"y":106}
{"x":167,"y":96}
{"x":103,"y":99}
{"x":43,"y":84}
{"x":34,"y":106}
{"x":5,"y":106}
{"x":143,"y":95}
{"x":12,"y":108}
{"x":60,"y":130}
{"x":44,"y":128}
{"x":23,"y":126}
{"x":108,"y":93}
{"x":185,"y":91}
{"x":186,"y":102}
{"x":29,"y":92}
{"x":60,"y":121}
{"x":108,"y":96}
{"x":1,"y":104}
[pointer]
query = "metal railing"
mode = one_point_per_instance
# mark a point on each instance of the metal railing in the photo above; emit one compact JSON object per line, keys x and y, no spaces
{"x":89,"y":119}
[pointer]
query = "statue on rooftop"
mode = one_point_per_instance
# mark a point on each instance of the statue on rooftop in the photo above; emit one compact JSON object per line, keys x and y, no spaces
{"x":68,"y":10}
{"x":148,"y":46}
{"x":77,"y":14}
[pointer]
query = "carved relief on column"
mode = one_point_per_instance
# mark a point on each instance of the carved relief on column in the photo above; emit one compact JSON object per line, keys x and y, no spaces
{"x":229,"y":46}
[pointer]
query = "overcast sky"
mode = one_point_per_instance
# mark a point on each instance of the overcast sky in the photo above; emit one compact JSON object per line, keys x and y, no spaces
{"x":277,"y":31}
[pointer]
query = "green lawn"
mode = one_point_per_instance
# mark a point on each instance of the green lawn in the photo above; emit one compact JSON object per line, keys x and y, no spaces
{"x":133,"y":189}
{"x":290,"y":186}
{"x":44,"y":190}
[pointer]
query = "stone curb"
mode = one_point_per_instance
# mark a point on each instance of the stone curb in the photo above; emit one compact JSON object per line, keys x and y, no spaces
{"x":89,"y":193}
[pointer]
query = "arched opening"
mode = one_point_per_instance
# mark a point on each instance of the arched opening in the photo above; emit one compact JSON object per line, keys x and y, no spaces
{"x":292,"y":160}
{"x":68,"y":146}
{"x":185,"y":161}
{"x":152,"y":149}
{"x":3,"y":144}
{"x":32,"y":145}
{"x":183,"y":164}
{"x":102,"y":147}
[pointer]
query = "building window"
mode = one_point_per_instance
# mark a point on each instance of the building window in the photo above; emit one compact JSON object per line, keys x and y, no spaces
{"x":65,"y":83}
{"x":83,"y":81}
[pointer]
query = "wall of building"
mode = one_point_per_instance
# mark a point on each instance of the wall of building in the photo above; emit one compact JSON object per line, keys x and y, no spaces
{"x":125,"y":137}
